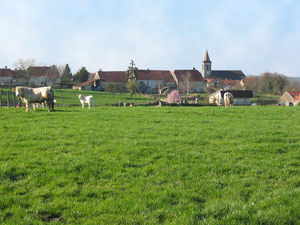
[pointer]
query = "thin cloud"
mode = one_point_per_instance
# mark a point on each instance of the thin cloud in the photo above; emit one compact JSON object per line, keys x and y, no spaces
{"x":254,"y":36}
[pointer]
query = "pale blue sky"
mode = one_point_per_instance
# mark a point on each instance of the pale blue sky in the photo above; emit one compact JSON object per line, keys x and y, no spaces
{"x":252,"y":35}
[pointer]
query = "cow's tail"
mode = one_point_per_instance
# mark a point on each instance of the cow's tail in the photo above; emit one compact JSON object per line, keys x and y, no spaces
{"x":52,"y":98}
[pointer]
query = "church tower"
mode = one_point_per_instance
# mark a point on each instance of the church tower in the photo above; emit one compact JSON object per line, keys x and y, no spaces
{"x":206,"y":66}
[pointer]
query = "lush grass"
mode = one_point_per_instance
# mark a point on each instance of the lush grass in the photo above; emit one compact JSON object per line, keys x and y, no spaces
{"x":68,"y":97}
{"x":147,"y":165}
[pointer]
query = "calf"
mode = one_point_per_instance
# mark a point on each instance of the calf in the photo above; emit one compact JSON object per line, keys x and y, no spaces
{"x":86,"y":99}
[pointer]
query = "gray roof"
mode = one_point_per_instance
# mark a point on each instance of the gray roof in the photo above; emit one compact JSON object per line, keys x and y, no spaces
{"x":239,"y":93}
{"x":227,"y":74}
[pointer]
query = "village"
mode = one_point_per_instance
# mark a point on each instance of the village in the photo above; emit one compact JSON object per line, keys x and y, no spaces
{"x":145,"y":81}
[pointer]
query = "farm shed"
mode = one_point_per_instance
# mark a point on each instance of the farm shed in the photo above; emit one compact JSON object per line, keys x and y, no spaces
{"x":290,"y":99}
{"x":241,"y":97}
{"x":90,"y":85}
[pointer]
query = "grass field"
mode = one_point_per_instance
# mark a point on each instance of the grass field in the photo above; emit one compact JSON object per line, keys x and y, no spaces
{"x":68,"y":97}
{"x":147,"y":165}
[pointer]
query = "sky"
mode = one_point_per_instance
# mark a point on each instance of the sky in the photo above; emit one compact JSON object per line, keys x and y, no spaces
{"x":254,"y":36}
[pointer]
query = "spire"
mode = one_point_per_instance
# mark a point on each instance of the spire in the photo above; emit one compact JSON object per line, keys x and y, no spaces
{"x":206,"y":57}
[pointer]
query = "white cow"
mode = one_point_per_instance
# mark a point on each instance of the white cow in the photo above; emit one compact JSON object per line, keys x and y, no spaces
{"x":218,"y":99}
{"x":228,"y":99}
{"x":86,"y":99}
{"x":36,"y":95}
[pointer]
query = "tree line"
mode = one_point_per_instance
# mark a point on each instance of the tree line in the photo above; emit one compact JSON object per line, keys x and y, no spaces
{"x":270,"y":83}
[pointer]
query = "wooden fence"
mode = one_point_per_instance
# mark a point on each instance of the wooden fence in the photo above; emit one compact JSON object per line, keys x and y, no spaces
{"x":8,"y":98}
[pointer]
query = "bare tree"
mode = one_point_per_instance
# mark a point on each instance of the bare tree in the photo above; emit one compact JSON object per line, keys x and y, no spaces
{"x":23,"y":64}
{"x":187,"y":82}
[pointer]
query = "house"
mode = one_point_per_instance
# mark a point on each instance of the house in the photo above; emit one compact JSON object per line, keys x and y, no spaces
{"x":42,"y":76}
{"x":219,"y":75}
{"x":290,"y":99}
{"x":90,"y":85}
{"x":241,"y":97}
{"x":150,"y":81}
{"x":188,"y":80}
{"x":112,"y":77}
{"x":20,"y":77}
{"x":6,"y":76}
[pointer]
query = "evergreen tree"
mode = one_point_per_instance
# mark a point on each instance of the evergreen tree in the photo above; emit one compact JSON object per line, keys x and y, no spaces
{"x":66,"y":77}
{"x":131,"y":71}
{"x":81,"y":76}
{"x":132,"y":85}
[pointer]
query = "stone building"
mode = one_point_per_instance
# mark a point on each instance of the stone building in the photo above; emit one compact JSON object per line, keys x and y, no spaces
{"x":290,"y":99}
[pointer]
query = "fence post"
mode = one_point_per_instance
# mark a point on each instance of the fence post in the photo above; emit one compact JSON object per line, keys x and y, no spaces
{"x":14,"y":99}
{"x":8,"y":100}
{"x":61,"y":99}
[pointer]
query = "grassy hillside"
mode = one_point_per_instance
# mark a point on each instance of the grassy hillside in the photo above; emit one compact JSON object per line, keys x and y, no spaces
{"x":67,"y":97}
{"x":147,"y":165}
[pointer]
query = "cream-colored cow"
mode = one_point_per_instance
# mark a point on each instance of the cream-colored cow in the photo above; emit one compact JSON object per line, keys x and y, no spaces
{"x":228,"y":99}
{"x":36,"y":95}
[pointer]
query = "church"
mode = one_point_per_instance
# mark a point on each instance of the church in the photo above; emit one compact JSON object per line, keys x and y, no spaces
{"x":208,"y":73}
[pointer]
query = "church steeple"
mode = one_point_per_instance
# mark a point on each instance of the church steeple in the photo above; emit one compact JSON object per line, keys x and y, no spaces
{"x":206,"y":57}
{"x":206,"y":65}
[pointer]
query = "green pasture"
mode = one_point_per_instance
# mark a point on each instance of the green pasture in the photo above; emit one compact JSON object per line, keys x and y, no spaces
{"x":68,"y":97}
{"x":150,"y":165}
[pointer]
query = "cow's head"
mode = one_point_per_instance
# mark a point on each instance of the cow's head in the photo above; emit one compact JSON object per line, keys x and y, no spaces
{"x":19,"y":92}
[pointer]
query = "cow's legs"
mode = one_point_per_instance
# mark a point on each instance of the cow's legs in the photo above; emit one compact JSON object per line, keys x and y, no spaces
{"x":27,"y":107}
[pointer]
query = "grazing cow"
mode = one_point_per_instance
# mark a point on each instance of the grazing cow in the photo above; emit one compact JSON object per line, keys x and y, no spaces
{"x":228,"y":99}
{"x":218,"y":99}
{"x":36,"y":95}
{"x":86,"y":99}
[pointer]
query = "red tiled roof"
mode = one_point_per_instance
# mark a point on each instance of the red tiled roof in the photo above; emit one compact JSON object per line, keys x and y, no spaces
{"x":154,"y":75}
{"x":19,"y":73}
{"x":86,"y":83}
{"x":232,"y":82}
{"x":40,"y":71}
{"x":210,"y":80}
{"x":294,"y":94}
{"x":112,"y":76}
{"x":182,"y":75}
{"x":6,"y":73}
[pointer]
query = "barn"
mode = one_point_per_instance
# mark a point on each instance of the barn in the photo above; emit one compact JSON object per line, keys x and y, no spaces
{"x":90,"y":85}
{"x":241,"y":97}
